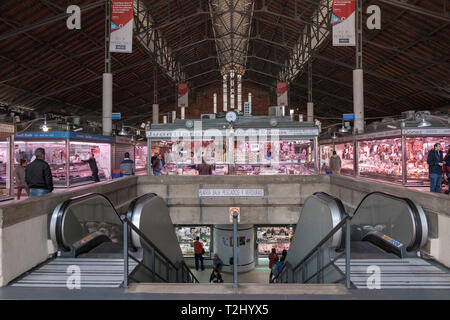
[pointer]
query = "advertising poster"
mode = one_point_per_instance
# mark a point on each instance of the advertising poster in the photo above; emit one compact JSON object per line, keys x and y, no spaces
{"x":182,"y":94}
{"x":343,"y":21}
{"x":282,"y":95}
{"x":121,"y":26}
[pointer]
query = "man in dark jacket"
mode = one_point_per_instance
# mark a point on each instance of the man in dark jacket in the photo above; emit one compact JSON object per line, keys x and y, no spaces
{"x":127,"y":166}
{"x":93,"y":165}
{"x":435,"y":161}
{"x":38,"y":175}
{"x":447,"y":169}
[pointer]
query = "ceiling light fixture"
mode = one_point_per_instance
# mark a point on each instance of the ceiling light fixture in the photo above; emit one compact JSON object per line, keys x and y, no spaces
{"x":424,"y":123}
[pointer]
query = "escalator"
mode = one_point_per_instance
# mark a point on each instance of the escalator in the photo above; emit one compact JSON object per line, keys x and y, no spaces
{"x":386,"y":234}
{"x":89,"y":236}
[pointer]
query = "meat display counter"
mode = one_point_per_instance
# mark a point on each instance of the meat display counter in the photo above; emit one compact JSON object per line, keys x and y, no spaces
{"x":345,"y":150}
{"x":140,"y":157}
{"x":66,"y":153}
{"x":6,"y":161}
{"x":253,"y":147}
{"x":398,"y":156}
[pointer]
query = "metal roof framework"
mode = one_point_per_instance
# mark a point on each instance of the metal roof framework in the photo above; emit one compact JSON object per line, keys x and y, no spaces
{"x":47,"y":68}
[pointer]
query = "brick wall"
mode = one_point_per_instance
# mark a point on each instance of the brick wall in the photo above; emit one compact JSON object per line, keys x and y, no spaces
{"x":201,"y":100}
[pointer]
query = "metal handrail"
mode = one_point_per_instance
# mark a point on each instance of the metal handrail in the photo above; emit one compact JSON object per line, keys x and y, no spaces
{"x":60,"y":212}
{"x":182,"y":267}
{"x":346,"y":220}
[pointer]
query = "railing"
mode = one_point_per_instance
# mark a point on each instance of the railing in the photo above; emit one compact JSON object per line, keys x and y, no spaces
{"x":59,"y":217}
{"x":290,"y":273}
{"x":180,"y":273}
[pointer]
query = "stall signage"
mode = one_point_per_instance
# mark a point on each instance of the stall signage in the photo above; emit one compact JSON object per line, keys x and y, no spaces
{"x":424,"y":132}
{"x":43,"y":135}
{"x":239,"y":133}
{"x":89,"y":137}
{"x":62,"y":135}
{"x":7,"y":128}
{"x":116,"y":115}
{"x":348,"y":116}
{"x":231,"y":193}
{"x":377,"y":135}
{"x":124,"y":140}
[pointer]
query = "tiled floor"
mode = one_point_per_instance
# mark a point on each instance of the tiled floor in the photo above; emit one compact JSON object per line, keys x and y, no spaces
{"x":257,"y":275}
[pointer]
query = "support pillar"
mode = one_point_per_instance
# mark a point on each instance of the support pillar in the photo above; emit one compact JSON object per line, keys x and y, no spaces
{"x":182,"y":113}
{"x":174,"y":116}
{"x":155,"y":113}
{"x":358,"y":101}
{"x":107,"y":104}
{"x":358,"y":83}
{"x":310,"y":110}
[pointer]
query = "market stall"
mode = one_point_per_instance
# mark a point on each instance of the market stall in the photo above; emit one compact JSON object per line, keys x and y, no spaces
{"x":66,"y":153}
{"x":6,"y":163}
{"x":251,"y":146}
{"x":418,"y":142}
{"x":345,"y":149}
{"x":379,"y":155}
{"x":186,"y":236}
{"x":273,"y":236}
{"x":120,"y":146}
{"x":140,"y":157}
{"x":398,"y":156}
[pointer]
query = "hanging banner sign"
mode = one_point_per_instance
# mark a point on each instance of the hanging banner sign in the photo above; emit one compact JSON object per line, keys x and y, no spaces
{"x":121,"y":26}
{"x":343,"y":21}
{"x":282,"y":94}
{"x":182,"y":94}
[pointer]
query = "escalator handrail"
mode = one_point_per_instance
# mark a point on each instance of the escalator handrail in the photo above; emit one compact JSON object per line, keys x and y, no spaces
{"x":126,"y":219}
{"x":415,"y":213}
{"x":60,"y":212}
{"x":330,"y":234}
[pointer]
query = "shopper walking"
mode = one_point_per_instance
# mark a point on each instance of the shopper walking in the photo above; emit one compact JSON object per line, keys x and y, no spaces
{"x":93,"y":165}
{"x":157,"y":165}
{"x":204,"y":169}
{"x":38,"y":175}
{"x":283,"y":256}
{"x":198,"y":252}
{"x":335,"y":163}
{"x":435,"y":161}
{"x":273,"y":258}
{"x":215,"y":277}
{"x":217,"y":262}
{"x":447,"y":169}
{"x":127,"y":166}
{"x":20,"y":178}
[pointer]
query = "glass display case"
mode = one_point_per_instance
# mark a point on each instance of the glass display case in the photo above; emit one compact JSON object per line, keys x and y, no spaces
{"x":344,"y":151}
{"x":65,"y":152}
{"x":296,"y":157}
{"x":55,"y":156}
{"x":278,"y":237}
{"x":140,"y":158}
{"x":4,"y":148}
{"x":79,"y":152}
{"x":186,"y":236}
{"x":417,"y":149}
{"x":255,"y":146}
{"x":381,"y":159}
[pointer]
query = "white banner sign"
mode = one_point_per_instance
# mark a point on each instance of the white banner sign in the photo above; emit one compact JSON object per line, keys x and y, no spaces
{"x":230,"y":193}
{"x":121,"y":26}
{"x":183,"y":95}
{"x":343,"y":21}
{"x":282,"y":93}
